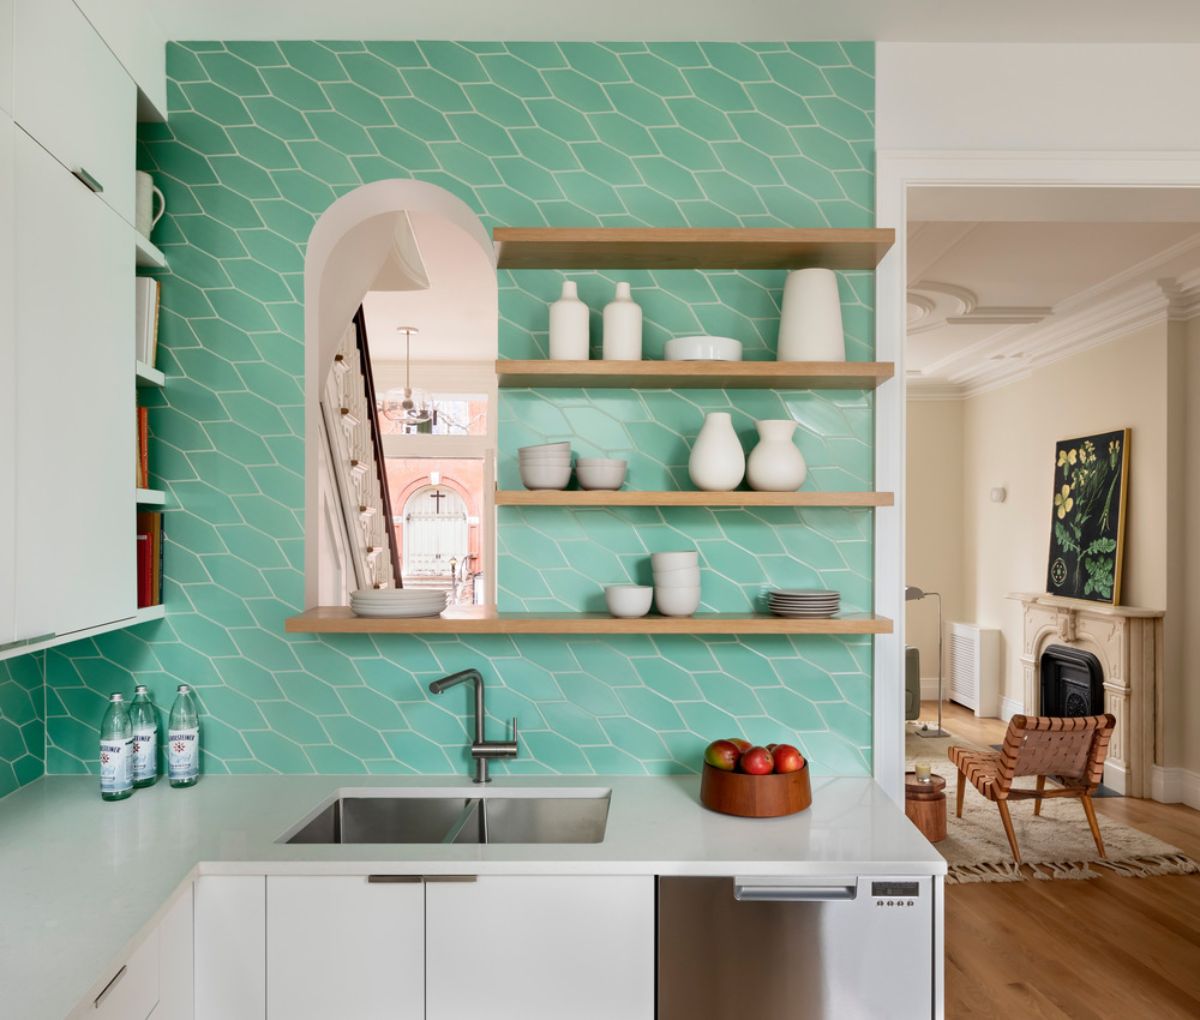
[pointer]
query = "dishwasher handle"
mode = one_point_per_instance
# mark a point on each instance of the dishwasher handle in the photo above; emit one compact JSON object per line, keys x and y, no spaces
{"x":786,"y":892}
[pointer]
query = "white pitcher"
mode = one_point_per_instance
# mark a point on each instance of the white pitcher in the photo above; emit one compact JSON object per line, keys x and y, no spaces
{"x":775,"y":464}
{"x":717,"y":462}
{"x":144,"y":216}
{"x":569,"y":326}
{"x":810,"y":323}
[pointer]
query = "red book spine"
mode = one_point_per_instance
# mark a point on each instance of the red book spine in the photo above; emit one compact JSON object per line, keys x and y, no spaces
{"x":144,"y":447}
{"x":143,"y":571}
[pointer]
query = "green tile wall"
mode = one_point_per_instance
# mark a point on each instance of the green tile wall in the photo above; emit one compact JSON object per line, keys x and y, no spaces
{"x":262,"y":138}
{"x":22,"y":722}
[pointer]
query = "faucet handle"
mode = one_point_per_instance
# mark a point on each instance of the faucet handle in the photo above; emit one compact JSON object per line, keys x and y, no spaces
{"x":514,"y":736}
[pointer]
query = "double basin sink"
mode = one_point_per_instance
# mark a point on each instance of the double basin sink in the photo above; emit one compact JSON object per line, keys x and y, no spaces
{"x":499,"y":816}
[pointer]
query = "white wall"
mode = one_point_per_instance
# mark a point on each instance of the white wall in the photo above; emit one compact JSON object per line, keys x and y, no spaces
{"x":1190,"y":666}
{"x":988,"y":96}
{"x":933,"y":545}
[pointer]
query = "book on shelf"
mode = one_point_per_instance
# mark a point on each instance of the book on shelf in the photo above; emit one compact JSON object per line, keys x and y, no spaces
{"x":143,"y":448}
{"x":146,"y":344}
{"x":149,"y":558}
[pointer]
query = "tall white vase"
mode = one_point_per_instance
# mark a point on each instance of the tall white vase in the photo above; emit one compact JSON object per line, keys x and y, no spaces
{"x":623,"y":327}
{"x":569,"y":326}
{"x":810,"y":323}
{"x":775,"y":464}
{"x":717,"y":463}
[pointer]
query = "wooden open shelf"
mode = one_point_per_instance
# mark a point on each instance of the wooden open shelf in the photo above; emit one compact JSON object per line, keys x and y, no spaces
{"x":598,"y":497}
{"x":341,"y":620}
{"x":675,"y":375}
{"x":689,"y":248}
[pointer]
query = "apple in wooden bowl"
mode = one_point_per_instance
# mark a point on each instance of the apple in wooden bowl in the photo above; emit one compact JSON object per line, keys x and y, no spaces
{"x":754,"y":782}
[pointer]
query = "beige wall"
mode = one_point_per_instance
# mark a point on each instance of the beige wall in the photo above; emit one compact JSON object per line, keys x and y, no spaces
{"x":1190,"y":645}
{"x":933,"y":543}
{"x":1007,"y":439}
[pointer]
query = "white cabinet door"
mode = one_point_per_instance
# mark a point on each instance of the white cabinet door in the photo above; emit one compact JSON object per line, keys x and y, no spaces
{"x":6,"y":55}
{"x":176,"y":973}
{"x":8,"y":389}
{"x":540,"y":948}
{"x":345,"y":947}
{"x":74,"y":97}
{"x":231,"y":947}
{"x":75,"y":509}
{"x":133,"y":33}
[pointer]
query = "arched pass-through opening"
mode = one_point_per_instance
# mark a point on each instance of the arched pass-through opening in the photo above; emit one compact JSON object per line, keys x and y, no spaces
{"x":354,"y":248}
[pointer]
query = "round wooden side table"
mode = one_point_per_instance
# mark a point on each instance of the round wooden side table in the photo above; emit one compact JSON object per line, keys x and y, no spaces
{"x":925,"y":805}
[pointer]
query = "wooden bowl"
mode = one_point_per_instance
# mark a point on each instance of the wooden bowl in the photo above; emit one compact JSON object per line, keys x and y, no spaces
{"x":736,"y":793}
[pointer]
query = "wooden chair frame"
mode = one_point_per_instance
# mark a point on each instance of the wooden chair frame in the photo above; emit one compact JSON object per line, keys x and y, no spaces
{"x":1070,"y":749}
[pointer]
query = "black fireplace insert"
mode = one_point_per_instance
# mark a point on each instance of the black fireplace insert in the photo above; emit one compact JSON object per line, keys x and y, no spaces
{"x":1072,"y":682}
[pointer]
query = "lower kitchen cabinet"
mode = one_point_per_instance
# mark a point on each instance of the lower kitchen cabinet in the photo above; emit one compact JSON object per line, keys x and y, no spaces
{"x":540,"y":948}
{"x":231,"y":947}
{"x":345,"y":947}
{"x":176,"y":942}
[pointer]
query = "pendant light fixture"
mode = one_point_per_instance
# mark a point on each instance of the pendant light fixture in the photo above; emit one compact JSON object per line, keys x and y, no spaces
{"x":406,"y":406}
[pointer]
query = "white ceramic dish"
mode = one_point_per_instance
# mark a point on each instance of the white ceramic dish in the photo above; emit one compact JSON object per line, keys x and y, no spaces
{"x":628,"y":601}
{"x":686,"y":578}
{"x":600,"y":477}
{"x":676,"y":601}
{"x":673,"y":560}
{"x":545,"y":448}
{"x":545,"y":476}
{"x":703,"y":348}
{"x":395,"y":613}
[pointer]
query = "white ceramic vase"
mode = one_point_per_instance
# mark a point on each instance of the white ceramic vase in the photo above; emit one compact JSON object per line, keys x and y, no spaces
{"x":810,"y":323}
{"x":776,"y":464}
{"x":623,"y":327}
{"x":569,"y":326}
{"x":717,"y":462}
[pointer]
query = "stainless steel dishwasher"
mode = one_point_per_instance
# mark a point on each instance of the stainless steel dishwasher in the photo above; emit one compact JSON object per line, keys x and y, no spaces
{"x":853,"y":948}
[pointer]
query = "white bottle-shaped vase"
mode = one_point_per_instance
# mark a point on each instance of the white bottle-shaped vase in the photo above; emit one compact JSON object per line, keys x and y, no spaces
{"x":717,"y":462}
{"x":775,"y":464}
{"x":569,"y":326}
{"x":810,"y":323}
{"x":623,"y":327}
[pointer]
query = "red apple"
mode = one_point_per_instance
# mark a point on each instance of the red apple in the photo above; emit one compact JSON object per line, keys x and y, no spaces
{"x":787,"y":758}
{"x":771,"y":747}
{"x":757,"y":761}
{"x":742,"y":745}
{"x":722,"y":754}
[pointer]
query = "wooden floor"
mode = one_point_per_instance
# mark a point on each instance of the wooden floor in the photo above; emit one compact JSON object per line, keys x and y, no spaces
{"x":1110,"y":948}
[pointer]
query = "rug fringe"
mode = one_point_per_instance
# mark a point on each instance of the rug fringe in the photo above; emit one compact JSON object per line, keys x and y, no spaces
{"x":988,"y":871}
{"x":1150,"y":867}
{"x":1068,"y":870}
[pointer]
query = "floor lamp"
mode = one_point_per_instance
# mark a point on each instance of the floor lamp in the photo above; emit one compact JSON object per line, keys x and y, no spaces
{"x":913,"y":594}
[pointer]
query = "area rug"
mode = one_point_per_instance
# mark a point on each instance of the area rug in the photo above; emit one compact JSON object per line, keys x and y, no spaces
{"x":1056,"y":845}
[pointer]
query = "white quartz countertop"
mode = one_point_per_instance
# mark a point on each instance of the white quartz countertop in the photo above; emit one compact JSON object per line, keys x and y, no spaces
{"x":81,"y":878}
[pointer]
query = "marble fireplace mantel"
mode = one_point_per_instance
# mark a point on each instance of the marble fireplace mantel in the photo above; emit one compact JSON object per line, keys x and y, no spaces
{"x":1128,"y":641}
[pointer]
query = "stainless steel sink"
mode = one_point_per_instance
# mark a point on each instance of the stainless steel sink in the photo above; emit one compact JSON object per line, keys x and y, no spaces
{"x":525,"y":816}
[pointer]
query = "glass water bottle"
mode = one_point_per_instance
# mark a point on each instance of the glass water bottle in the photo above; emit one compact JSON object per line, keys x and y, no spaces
{"x":116,"y":751}
{"x":144,"y":718}
{"x":183,"y":740}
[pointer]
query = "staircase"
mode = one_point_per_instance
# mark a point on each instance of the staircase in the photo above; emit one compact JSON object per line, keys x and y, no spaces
{"x":356,"y":461}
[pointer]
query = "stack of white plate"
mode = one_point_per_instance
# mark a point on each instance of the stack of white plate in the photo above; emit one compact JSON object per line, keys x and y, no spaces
{"x":804,"y":603}
{"x":398,"y":602}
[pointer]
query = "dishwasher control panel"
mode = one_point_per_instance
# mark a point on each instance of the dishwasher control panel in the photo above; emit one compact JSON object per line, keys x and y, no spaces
{"x":895,"y":894}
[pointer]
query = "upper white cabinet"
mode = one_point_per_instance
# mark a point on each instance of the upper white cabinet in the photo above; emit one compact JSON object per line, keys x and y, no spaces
{"x":74,"y":400}
{"x":513,"y":947}
{"x":8,"y":386}
{"x":6,"y":56}
{"x":345,"y":946}
{"x":72,"y":95}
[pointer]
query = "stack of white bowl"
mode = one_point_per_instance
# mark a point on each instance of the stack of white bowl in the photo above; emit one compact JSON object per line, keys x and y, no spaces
{"x":398,"y":602}
{"x":703,"y":348}
{"x":547,"y":466}
{"x":601,"y":472}
{"x":676,"y":582}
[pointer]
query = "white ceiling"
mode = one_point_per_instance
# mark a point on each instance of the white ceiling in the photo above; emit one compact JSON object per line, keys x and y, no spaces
{"x":455,"y":315}
{"x":1175,"y":21}
{"x":991,"y":298}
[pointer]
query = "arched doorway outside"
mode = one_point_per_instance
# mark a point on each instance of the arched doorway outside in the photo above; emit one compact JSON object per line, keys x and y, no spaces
{"x":352,"y":250}
{"x":436,"y":534}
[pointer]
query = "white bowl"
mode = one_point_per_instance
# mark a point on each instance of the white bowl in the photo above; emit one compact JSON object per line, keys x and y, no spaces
{"x":601,"y":462}
{"x":544,"y":462}
{"x":676,"y":601}
{"x":677,"y":579}
{"x":628,"y":600}
{"x":545,"y":448}
{"x":548,"y":455}
{"x":703,"y":348}
{"x":600,"y":477}
{"x":674,"y":560}
{"x":545,"y":476}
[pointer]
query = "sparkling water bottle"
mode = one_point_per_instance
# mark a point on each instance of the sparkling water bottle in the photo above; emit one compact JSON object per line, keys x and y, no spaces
{"x":116,"y":751}
{"x":183,"y":740}
{"x":145,"y":738}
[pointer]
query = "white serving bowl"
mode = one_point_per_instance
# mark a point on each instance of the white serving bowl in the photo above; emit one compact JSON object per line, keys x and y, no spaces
{"x":674,"y":560}
{"x":545,"y":462}
{"x":628,"y":600}
{"x":703,"y":348}
{"x":677,"y":578}
{"x":529,"y":458}
{"x":602,"y":461}
{"x":591,"y":476}
{"x":677,"y":601}
{"x":564,"y":447}
{"x":546,"y":476}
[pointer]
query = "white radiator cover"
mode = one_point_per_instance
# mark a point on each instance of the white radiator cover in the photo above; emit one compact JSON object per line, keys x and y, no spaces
{"x":975,"y":668}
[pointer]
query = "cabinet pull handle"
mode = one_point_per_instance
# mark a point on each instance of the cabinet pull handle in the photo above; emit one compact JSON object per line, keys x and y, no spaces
{"x":36,"y":639}
{"x":88,"y":180}
{"x":109,"y":987}
{"x":393,"y":879}
{"x":450,"y":878}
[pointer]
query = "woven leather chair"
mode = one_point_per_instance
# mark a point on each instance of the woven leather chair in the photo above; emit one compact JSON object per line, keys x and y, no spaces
{"x":1072,"y":750}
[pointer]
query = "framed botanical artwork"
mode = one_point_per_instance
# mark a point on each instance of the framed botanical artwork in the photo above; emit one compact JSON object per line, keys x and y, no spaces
{"x":1087,"y":529}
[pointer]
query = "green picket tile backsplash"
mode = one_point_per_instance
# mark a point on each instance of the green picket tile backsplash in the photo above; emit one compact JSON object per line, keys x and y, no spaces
{"x":262,"y":138}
